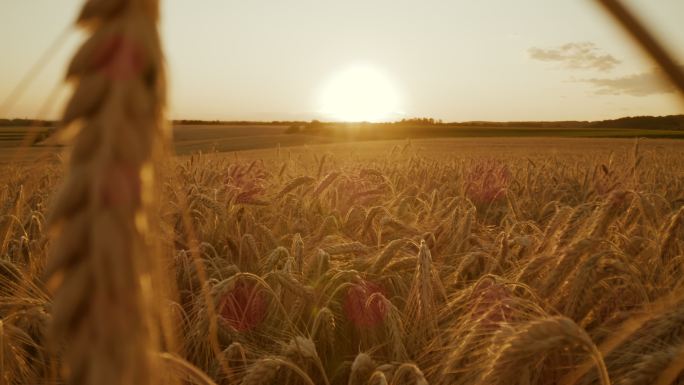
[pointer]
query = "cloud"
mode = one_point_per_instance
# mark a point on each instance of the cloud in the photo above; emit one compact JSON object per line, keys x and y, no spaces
{"x":581,"y":55}
{"x":642,"y":84}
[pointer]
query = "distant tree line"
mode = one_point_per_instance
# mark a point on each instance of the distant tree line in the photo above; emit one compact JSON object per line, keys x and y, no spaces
{"x":669,"y":122}
{"x":27,"y":123}
{"x":234,"y":122}
{"x":420,"y":121}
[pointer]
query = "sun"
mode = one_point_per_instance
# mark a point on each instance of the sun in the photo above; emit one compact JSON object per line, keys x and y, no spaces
{"x":359,"y":93}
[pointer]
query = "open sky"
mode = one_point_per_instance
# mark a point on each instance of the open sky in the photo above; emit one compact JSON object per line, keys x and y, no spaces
{"x":454,"y":60}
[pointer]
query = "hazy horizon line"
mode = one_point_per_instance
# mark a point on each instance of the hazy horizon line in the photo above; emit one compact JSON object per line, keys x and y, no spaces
{"x":425,"y":120}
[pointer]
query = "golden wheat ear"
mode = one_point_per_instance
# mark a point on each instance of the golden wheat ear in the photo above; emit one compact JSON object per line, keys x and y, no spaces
{"x":99,"y":267}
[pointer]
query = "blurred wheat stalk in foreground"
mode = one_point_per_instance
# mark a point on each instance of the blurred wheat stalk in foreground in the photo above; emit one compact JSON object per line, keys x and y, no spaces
{"x":648,"y":43}
{"x":98,"y":261}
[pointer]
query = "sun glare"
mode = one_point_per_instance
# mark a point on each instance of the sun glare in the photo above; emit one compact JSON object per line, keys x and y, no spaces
{"x":359,"y":93}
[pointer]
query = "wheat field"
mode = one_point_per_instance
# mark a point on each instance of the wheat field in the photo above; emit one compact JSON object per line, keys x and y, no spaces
{"x":440,"y":261}
{"x":396,"y":264}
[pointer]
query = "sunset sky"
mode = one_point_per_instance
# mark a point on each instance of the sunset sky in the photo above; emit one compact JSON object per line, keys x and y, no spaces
{"x":454,"y":60}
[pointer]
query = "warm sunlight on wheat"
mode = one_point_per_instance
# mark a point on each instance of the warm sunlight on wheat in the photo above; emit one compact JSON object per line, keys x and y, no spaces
{"x":427,"y":262}
{"x":365,"y":246}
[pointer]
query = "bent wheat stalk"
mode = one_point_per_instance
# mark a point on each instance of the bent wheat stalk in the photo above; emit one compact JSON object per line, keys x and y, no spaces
{"x":536,"y":338}
{"x":98,"y":266}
